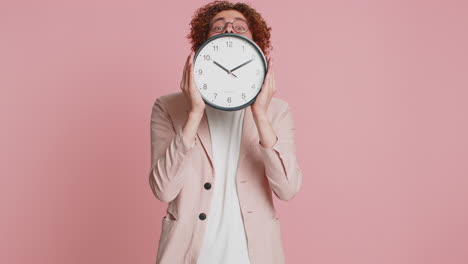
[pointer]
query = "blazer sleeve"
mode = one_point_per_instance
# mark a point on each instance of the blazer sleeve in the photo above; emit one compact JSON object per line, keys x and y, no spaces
{"x":169,"y":155}
{"x":281,"y":167}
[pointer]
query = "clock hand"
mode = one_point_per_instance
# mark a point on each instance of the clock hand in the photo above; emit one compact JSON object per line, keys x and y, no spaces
{"x":241,"y":65}
{"x":221,"y":66}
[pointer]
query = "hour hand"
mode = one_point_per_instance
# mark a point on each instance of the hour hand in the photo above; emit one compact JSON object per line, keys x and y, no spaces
{"x":222,"y":67}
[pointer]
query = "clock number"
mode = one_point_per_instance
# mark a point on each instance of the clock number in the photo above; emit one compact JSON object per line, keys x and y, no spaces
{"x":243,"y":48}
{"x":200,"y":71}
{"x":215,"y":48}
{"x":229,"y":99}
{"x":205,"y":86}
{"x":206,"y":57}
{"x":243,"y":95}
{"x":229,"y":43}
{"x":253,"y":86}
{"x":215,"y":94}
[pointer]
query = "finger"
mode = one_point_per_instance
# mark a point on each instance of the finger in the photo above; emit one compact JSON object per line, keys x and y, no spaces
{"x":268,"y":71}
{"x":268,"y":75}
{"x":185,"y":67}
{"x":190,"y":80}
{"x":184,"y":74}
{"x":187,"y":71}
{"x":273,"y":83}
{"x":272,"y":77}
{"x":272,"y":67}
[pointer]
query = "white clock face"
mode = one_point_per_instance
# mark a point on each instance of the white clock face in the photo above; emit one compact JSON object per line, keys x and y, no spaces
{"x":229,"y":71}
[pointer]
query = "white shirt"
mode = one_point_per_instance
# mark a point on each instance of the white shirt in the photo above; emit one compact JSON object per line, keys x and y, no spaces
{"x":224,"y":241}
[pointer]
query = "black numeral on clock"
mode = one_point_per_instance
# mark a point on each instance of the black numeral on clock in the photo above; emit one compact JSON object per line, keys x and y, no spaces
{"x":243,"y":95}
{"x":229,"y":99}
{"x":205,"y":86}
{"x":206,"y":57}
{"x":200,"y":71}
{"x":215,"y":48}
{"x":229,"y":43}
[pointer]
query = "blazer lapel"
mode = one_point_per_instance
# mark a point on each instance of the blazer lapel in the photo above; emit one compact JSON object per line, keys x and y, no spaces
{"x":205,"y":138}
{"x":248,"y":137}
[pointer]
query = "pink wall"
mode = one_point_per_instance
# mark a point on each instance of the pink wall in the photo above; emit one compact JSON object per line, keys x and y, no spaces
{"x":379,"y":96}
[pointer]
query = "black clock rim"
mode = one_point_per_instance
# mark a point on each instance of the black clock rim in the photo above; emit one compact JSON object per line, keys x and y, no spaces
{"x":259,"y":50}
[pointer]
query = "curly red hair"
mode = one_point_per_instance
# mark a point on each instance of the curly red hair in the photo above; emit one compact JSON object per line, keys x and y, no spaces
{"x":202,"y":17}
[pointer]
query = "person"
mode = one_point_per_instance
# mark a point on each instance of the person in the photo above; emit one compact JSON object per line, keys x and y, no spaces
{"x":217,"y":169}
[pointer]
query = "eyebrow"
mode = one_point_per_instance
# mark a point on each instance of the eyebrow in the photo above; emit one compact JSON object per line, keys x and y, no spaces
{"x":235,"y":18}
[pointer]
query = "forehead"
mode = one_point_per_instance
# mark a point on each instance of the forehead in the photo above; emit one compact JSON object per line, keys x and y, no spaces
{"x":229,"y":15}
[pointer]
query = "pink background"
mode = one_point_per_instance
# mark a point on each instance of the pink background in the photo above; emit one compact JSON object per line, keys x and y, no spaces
{"x":378,"y":92}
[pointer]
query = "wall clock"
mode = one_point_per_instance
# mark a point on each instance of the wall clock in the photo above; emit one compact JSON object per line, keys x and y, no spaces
{"x":229,"y":71}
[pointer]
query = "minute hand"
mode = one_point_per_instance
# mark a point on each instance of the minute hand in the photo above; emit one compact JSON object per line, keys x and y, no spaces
{"x":241,"y":65}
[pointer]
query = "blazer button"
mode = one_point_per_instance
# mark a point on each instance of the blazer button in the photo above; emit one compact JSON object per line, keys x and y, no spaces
{"x":207,"y":185}
{"x":202,"y":216}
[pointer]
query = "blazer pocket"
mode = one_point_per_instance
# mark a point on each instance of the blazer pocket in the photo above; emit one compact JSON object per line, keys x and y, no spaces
{"x":169,"y":217}
{"x":167,"y":239}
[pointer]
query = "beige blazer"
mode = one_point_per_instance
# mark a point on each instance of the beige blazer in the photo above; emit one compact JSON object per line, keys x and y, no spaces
{"x":182,"y":176}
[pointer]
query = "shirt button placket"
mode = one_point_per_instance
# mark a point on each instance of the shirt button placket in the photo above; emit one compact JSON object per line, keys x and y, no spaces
{"x":207,"y":186}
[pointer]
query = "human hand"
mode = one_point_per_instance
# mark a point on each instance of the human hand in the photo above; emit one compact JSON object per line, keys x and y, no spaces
{"x":189,"y":88}
{"x":260,"y":106}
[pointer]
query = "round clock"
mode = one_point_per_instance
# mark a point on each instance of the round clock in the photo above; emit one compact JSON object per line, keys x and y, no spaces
{"x":229,"y":70}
